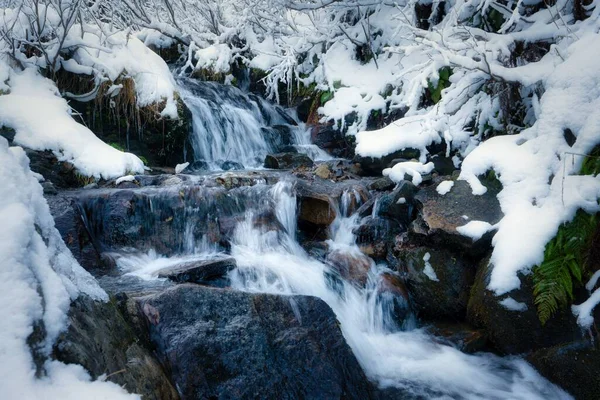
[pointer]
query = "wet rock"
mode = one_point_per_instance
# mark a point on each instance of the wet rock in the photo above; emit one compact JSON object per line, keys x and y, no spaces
{"x":196,"y":166}
{"x":573,"y":366}
{"x":443,"y":165}
{"x":514,"y":332}
{"x":165,"y":218}
{"x":303,"y":110}
{"x":230,"y":165}
{"x":438,"y":281}
{"x":374,"y":235}
{"x":287,"y":161}
{"x":100,"y":339}
{"x":315,"y":208}
{"x":399,"y":204}
{"x":61,"y":174}
{"x":278,"y":136}
{"x":459,"y":335}
{"x":382,"y":184}
{"x":333,"y":141}
{"x":49,"y":188}
{"x":372,"y":166}
{"x":68,"y":221}
{"x":352,"y":266}
{"x":393,"y":296}
{"x":206,"y":272}
{"x":439,"y":216}
{"x":225,"y":344}
{"x":323,"y":171}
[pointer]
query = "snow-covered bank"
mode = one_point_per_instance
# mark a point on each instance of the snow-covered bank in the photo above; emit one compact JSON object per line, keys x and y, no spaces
{"x":38,"y":279}
{"x":42,"y":121}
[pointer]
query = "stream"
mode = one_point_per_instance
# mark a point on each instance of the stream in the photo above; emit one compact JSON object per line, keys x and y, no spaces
{"x":395,"y":352}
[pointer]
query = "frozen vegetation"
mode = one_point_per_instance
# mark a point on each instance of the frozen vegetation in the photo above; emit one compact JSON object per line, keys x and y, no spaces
{"x":511,"y":89}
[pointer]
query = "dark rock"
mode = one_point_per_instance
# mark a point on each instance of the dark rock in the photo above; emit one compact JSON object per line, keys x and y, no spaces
{"x":316,"y":208}
{"x":230,"y":165}
{"x":382,"y":184}
{"x":207,"y":272}
{"x":375,"y":235}
{"x":372,"y":166}
{"x":49,"y":188}
{"x":570,"y":137}
{"x":303,"y":109}
{"x":8,"y":134}
{"x":443,"y":165}
{"x":226,"y":344}
{"x":278,"y":136}
{"x":100,"y":339}
{"x":459,"y":335}
{"x":439,"y":216}
{"x":69,"y":224}
{"x":165,"y":218}
{"x":197,"y":166}
{"x":333,"y":141}
{"x":399,"y":204}
{"x":573,"y":366}
{"x":444,"y":298}
{"x":514,"y":332}
{"x":60,"y":174}
{"x":353,"y":267}
{"x":287,"y":161}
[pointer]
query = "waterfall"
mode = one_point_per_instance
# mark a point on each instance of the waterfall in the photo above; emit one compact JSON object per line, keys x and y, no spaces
{"x":230,"y":125}
{"x":405,"y":358}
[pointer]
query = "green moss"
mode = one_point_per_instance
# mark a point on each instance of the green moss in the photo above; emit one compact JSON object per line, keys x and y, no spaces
{"x":116,"y":146}
{"x":435,"y":91}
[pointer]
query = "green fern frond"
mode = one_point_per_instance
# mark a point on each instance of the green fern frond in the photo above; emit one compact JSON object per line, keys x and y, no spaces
{"x":565,"y":258}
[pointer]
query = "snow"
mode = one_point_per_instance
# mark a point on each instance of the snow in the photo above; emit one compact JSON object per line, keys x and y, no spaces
{"x":475,"y":229}
{"x":444,"y":187}
{"x":412,"y":168}
{"x":511,"y":304}
{"x":538,"y":170}
{"x":42,"y":121}
{"x":408,"y":133}
{"x":593,"y":281}
{"x":583,"y":311}
{"x":180,"y":167}
{"x":126,"y":178}
{"x":38,"y":280}
{"x":428,"y":269}
{"x":125,"y":54}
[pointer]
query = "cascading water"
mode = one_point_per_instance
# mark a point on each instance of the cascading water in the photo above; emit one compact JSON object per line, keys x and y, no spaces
{"x":230,"y":125}
{"x":406,"y":359}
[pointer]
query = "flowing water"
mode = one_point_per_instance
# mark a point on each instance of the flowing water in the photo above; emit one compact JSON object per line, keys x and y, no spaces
{"x":272,"y":261}
{"x":230,"y":125}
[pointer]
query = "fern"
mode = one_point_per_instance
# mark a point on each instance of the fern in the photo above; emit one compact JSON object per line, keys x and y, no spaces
{"x":565,"y":258}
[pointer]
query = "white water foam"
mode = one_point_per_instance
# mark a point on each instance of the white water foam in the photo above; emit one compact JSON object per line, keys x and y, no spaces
{"x":405,"y":359}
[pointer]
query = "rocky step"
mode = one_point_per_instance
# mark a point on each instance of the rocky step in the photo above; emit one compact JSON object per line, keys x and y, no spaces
{"x":208,"y":272}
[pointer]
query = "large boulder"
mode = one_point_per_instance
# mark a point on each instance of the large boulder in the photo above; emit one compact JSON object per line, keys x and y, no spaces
{"x":225,"y":344}
{"x":438,"y":281}
{"x":100,"y":339}
{"x":511,"y":321}
{"x":573,"y":366}
{"x":440,"y":216}
{"x":287,"y":161}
